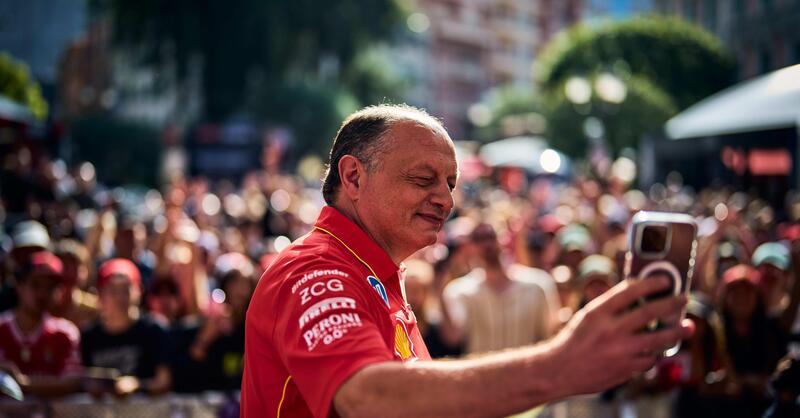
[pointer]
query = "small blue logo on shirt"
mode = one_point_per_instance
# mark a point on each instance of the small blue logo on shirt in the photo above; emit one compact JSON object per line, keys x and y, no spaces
{"x":378,"y":286}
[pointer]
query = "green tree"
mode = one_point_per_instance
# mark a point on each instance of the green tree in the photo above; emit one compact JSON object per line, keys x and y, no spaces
{"x":508,"y":111}
{"x":16,"y":84}
{"x":676,"y":56}
{"x":135,"y":156}
{"x":252,"y":47}
{"x":645,"y":107}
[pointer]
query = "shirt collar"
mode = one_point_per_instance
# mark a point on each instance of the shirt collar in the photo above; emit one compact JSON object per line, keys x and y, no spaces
{"x":357,"y":241}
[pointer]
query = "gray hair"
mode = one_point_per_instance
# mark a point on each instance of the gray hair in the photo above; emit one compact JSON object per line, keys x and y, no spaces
{"x":363,"y":135}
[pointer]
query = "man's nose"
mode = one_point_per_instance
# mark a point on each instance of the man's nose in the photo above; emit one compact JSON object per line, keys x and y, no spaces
{"x":443,"y":197}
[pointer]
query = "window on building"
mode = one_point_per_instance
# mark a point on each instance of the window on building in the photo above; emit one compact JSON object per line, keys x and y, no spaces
{"x":766,"y":5}
{"x":710,"y":15}
{"x":687,"y":9}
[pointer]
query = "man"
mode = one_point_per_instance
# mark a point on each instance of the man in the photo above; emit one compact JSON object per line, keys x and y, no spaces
{"x":39,"y":350}
{"x":498,"y":306}
{"x":27,"y":238}
{"x":329,"y":333}
{"x":419,"y":286}
{"x":596,"y":275}
{"x":121,"y":340}
{"x":772,"y":259}
{"x":76,"y":304}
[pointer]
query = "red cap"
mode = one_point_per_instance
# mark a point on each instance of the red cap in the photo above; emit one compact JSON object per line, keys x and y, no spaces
{"x":741,"y":272}
{"x":44,"y":263}
{"x":118,"y":266}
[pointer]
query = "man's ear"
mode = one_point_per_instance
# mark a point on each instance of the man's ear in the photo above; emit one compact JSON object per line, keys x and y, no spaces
{"x":351,"y":174}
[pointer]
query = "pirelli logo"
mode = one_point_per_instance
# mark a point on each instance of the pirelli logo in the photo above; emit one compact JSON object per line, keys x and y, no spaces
{"x":323,"y":307}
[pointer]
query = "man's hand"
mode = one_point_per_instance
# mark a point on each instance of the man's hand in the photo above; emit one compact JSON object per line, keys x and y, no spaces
{"x":603,"y":345}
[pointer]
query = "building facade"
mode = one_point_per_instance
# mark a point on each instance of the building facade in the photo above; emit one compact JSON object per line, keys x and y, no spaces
{"x":761,"y":34}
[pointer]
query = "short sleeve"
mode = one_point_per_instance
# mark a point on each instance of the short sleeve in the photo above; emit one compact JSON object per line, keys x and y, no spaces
{"x":71,"y":346}
{"x":455,"y":300}
{"x":329,"y":327}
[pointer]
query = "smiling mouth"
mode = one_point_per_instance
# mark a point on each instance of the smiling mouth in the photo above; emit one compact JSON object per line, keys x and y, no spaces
{"x":433,"y":219}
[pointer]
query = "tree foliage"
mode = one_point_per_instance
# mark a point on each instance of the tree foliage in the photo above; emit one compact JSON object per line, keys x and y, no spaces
{"x":676,"y":56}
{"x":17,"y":84}
{"x":252,"y":46}
{"x":123,"y":152}
{"x":511,"y":111}
{"x":645,"y":107}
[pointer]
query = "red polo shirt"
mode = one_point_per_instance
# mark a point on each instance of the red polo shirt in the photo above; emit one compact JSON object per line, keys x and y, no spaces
{"x":51,"y":350}
{"x":329,"y":305}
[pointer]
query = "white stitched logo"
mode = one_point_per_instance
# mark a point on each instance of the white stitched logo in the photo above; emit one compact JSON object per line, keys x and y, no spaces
{"x":319,"y":289}
{"x":315,"y":274}
{"x":324,"y":307}
{"x":330,"y":329}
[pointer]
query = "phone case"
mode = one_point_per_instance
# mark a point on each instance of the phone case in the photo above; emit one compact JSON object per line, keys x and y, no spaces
{"x":681,"y":243}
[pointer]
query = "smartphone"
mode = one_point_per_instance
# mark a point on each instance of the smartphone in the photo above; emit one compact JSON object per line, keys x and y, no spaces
{"x":662,"y":243}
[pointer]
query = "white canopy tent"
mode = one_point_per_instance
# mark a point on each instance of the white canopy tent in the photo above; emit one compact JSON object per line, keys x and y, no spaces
{"x":527,"y":152}
{"x":771,"y":101}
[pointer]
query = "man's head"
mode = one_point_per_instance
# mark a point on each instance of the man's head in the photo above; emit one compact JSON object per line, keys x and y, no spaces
{"x":487,"y":248}
{"x":418,"y":284}
{"x":393,"y":168}
{"x":118,"y":285}
{"x":76,"y":261}
{"x":39,"y":282}
{"x":28,"y":237}
{"x":597,"y":274}
{"x":772,"y":260}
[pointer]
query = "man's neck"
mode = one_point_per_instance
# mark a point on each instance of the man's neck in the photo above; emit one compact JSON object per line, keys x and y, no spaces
{"x":28,"y":322}
{"x":117,"y":322}
{"x":350,"y":212}
{"x":496,"y":276}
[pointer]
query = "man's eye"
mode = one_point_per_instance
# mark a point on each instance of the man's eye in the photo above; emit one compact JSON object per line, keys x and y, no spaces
{"x":424,"y":181}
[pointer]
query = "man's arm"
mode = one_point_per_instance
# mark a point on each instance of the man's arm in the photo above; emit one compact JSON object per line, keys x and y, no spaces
{"x":600,"y":347}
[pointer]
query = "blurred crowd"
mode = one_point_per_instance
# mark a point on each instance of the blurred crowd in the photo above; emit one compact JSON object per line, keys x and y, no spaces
{"x":115,"y":291}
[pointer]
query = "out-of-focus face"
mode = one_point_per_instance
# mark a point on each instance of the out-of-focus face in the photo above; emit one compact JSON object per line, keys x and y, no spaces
{"x":38,"y":293}
{"x":773,"y":279}
{"x":238,"y":292}
{"x":118,"y":295}
{"x":408,"y":195}
{"x":75,"y":272}
{"x":741,"y":299}
{"x":484,"y":239}
{"x":416,"y":292}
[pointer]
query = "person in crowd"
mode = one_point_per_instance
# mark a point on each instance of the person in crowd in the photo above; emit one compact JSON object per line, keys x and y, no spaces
{"x":419,"y":281}
{"x":130,"y":242}
{"x":39,"y":350}
{"x":76,"y":304}
{"x":123,"y":340}
{"x":498,"y":306}
{"x":575,"y":243}
{"x":773,"y":261}
{"x":219,"y":344}
{"x":754,"y":341}
{"x":702,"y":363}
{"x":596,"y":275}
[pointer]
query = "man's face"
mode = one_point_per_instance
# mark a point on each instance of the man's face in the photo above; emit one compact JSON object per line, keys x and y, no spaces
{"x":408,"y":194}
{"x":119,"y":294}
{"x":773,"y":278}
{"x":38,"y":293}
{"x":485,"y":240}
